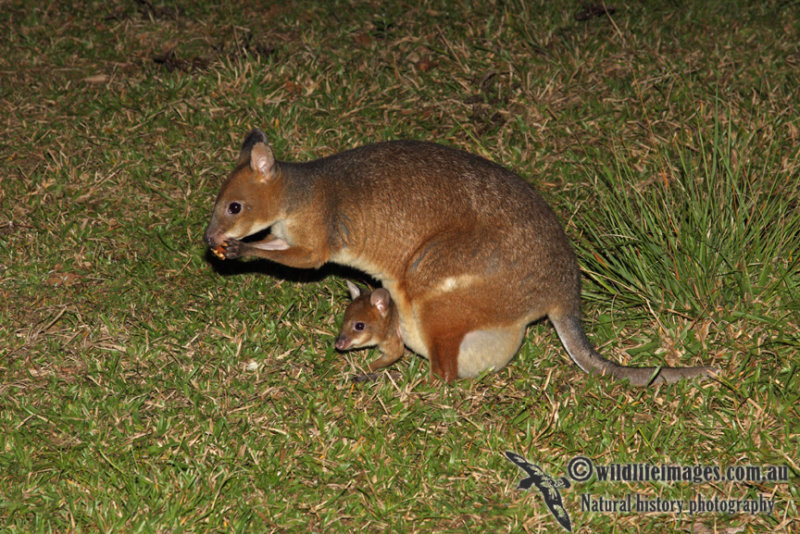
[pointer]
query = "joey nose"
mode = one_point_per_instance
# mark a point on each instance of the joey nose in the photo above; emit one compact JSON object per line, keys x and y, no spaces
{"x":342,"y":343}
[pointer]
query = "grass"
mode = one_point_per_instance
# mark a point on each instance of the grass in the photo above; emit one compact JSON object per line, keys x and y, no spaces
{"x":146,"y":387}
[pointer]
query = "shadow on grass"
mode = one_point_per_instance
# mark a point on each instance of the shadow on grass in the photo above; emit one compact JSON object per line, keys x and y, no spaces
{"x":282,"y":272}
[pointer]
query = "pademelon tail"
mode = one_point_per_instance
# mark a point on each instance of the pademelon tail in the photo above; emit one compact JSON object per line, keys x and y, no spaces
{"x":573,"y":337}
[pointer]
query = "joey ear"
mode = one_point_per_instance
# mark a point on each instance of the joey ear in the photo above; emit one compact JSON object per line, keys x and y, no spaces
{"x":380,"y":299}
{"x":355,"y":291}
{"x":253,"y":136}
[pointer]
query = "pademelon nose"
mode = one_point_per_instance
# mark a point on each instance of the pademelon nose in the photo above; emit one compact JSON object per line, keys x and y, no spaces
{"x":208,"y":237}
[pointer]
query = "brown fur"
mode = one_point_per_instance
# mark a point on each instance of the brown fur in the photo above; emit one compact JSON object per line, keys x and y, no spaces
{"x":371,"y":319}
{"x":469,"y":252}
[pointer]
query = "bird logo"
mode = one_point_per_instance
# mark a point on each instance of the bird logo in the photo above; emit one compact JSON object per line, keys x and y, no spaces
{"x":546,"y":485}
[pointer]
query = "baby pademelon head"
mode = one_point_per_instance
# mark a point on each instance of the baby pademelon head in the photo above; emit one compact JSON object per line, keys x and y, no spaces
{"x":250,"y":200}
{"x":366,"y":319}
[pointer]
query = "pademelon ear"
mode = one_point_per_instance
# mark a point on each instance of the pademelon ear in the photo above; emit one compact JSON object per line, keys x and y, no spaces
{"x":262,"y":160}
{"x":252,"y":138}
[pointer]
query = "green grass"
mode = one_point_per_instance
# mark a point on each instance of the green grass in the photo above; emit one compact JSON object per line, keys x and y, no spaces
{"x":146,"y":387}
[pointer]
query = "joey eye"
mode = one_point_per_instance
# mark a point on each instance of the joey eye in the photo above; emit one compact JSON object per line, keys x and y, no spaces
{"x":359,"y":326}
{"x":234,"y":208}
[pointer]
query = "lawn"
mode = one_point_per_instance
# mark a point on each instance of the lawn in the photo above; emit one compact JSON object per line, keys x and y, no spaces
{"x":147,"y":386}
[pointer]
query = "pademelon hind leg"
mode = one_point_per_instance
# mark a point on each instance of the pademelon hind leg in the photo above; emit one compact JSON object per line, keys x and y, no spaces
{"x":465,"y":333}
{"x":490,"y":348}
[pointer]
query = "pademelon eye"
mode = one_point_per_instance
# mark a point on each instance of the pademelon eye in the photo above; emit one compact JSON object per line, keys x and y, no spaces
{"x":359,"y":326}
{"x":234,"y":208}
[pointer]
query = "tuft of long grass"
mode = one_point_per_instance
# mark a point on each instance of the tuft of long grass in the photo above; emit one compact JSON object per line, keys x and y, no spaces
{"x":710,"y":229}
